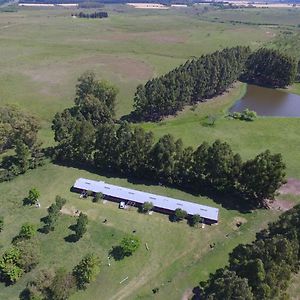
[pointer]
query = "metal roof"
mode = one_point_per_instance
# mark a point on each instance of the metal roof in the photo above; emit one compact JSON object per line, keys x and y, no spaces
{"x":140,"y":197}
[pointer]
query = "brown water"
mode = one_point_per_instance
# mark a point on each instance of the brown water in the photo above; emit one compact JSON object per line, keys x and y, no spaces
{"x":268,"y":102}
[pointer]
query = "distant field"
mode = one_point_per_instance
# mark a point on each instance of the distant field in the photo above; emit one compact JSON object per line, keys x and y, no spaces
{"x":285,"y":16}
{"x":44,"y":51}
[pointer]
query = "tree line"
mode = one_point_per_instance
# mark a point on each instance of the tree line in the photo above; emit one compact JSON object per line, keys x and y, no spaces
{"x":87,"y":134}
{"x":94,"y":15}
{"x":262,"y":269}
{"x":210,"y":75}
{"x":193,"y":81}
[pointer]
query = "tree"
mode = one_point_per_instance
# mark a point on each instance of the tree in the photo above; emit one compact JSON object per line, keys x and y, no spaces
{"x":80,"y":226}
{"x":195,"y":220}
{"x":87,"y":270}
{"x":225,"y":285}
{"x":27,"y":231}
{"x":53,"y":213}
{"x":23,"y":154}
{"x":147,"y":206}
{"x":269,"y":67}
{"x":129,"y":245}
{"x":29,"y":254}
{"x":10,"y":272}
{"x":17,"y":126}
{"x":261,"y":177}
{"x":63,"y":285}
{"x":180,"y":214}
{"x":33,"y":196}
{"x":164,"y":155}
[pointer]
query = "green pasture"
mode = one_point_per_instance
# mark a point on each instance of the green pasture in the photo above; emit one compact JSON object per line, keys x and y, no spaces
{"x":44,"y":51}
{"x":179,"y":255}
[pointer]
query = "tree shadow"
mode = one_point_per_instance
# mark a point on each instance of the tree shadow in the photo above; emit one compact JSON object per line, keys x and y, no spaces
{"x":227,"y":200}
{"x":117,"y":253}
{"x":72,"y":238}
{"x":196,"y":292}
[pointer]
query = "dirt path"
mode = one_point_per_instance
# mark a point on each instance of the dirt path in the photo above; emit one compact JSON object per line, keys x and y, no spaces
{"x":292,"y":187}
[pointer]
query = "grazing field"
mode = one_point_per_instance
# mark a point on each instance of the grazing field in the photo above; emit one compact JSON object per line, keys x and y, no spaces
{"x":44,"y":51}
{"x":171,"y":264}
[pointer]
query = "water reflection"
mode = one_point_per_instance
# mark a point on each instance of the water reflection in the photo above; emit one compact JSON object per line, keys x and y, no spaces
{"x":269,"y":102}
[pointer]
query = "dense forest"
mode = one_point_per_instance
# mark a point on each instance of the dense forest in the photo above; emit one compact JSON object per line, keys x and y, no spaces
{"x":194,"y":81}
{"x":209,"y":76}
{"x":270,"y":68}
{"x":87,"y":134}
{"x":260,"y":270}
{"x":94,"y":15}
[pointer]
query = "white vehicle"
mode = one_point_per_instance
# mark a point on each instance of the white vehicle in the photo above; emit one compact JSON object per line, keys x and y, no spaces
{"x":122,"y":205}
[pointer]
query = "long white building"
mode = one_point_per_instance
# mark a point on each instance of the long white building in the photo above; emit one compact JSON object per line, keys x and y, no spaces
{"x":161,"y":203}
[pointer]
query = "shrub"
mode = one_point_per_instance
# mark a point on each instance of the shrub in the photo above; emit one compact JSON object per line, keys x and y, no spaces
{"x":146,"y":207}
{"x":194,"y":220}
{"x":98,"y":197}
{"x":180,"y":214}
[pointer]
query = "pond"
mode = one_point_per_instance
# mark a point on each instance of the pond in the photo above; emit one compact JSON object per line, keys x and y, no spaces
{"x":268,"y":102}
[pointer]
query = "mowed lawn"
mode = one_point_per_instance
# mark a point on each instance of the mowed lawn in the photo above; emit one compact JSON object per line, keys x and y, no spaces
{"x":178,"y":257}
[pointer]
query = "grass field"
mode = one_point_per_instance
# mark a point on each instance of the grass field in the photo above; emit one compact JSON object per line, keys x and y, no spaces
{"x":172,"y":264}
{"x":44,"y":51}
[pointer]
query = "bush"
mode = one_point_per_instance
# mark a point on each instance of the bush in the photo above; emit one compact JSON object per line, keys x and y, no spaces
{"x":27,"y":231}
{"x":245,"y":115}
{"x":98,"y":197}
{"x":33,"y":196}
{"x":146,"y":207}
{"x":195,"y":220}
{"x":129,"y":244}
{"x":180,"y":214}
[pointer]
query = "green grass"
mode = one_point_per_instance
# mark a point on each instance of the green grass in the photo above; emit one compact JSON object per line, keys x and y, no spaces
{"x":173,"y":264}
{"x":44,"y":51}
{"x":246,"y":138}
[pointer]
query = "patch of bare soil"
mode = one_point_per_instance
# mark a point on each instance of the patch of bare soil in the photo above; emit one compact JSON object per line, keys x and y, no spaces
{"x":188,"y":294}
{"x":292,"y":187}
{"x":281,"y":205}
{"x":70,"y":211}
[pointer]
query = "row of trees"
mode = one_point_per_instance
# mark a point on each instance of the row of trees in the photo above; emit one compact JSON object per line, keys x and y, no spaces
{"x":18,"y":131}
{"x":194,"y":81}
{"x":260,"y":270}
{"x":61,"y":284}
{"x":94,"y":15}
{"x":22,"y":257}
{"x":87,"y":134}
{"x":209,"y":76}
